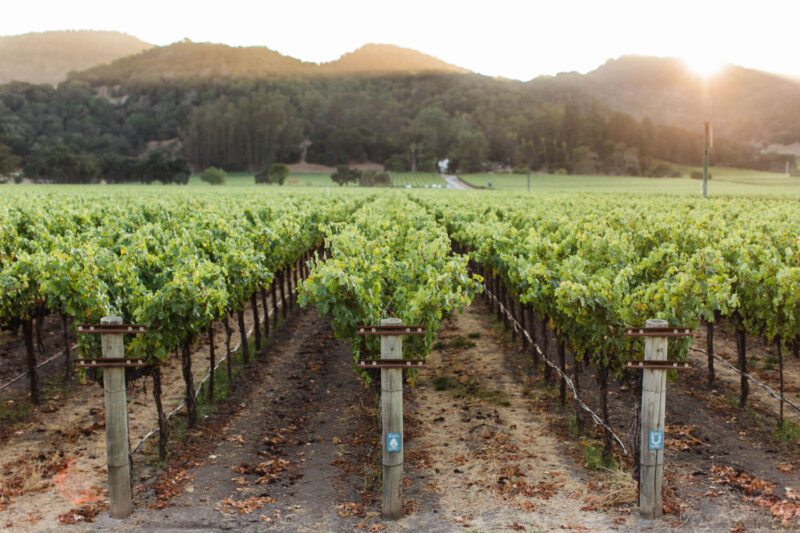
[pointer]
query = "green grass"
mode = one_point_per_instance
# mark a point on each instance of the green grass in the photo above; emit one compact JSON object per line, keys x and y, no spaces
{"x":247,"y":179}
{"x":306,"y":179}
{"x":593,"y":455}
{"x":724,"y":181}
{"x":788,"y":431}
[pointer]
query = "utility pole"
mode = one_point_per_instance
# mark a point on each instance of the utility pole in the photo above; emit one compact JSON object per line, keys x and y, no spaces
{"x":705,"y":161}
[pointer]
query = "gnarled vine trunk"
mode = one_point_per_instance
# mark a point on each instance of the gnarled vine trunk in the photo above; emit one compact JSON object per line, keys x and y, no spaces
{"x":163,"y":428}
{"x":243,"y":334}
{"x":30,"y":359}
{"x":186,"y":365}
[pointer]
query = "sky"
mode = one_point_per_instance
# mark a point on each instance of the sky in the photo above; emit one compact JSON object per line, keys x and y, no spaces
{"x":518,"y":39}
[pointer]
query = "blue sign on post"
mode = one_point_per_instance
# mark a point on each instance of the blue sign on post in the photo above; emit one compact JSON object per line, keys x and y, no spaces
{"x":394,"y":442}
{"x":656,"y":440}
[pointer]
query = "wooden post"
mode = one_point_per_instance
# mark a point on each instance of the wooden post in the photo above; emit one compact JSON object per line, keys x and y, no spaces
{"x":651,"y":479}
{"x":117,"y":445}
{"x":392,"y":422}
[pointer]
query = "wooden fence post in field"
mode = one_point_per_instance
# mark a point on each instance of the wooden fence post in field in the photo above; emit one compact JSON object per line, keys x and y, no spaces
{"x":392,"y":422}
{"x":391,"y":365}
{"x":652,"y":442}
{"x":113,"y":363}
{"x":117,"y":445}
{"x":655,"y":367}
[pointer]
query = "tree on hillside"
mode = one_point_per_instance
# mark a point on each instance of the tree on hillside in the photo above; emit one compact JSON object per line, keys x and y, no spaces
{"x":115,"y":168}
{"x":59,"y":164}
{"x":8,"y":161}
{"x":470,"y":151}
{"x":164,"y":166}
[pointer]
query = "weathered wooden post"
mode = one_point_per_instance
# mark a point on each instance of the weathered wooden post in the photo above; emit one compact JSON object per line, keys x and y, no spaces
{"x":113,"y":364}
{"x":392,"y":423}
{"x":654,"y":366}
{"x":391,"y":364}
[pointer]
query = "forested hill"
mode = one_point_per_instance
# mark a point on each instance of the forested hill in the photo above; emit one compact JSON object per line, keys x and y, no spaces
{"x":188,"y":60}
{"x":385,"y":58}
{"x":747,"y":105}
{"x":246,"y":108}
{"x":48,"y":57}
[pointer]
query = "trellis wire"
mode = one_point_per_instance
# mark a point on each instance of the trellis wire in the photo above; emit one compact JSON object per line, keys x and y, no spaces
{"x":770,"y":391}
{"x":518,"y":327}
{"x":207,"y":375}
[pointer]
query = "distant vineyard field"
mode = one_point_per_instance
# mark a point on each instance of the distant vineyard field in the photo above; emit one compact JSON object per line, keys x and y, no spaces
{"x":417,"y":179}
{"x":727,"y":181}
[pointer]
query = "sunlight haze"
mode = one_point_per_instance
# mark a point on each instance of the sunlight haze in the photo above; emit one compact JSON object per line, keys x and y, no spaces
{"x":519,"y":40}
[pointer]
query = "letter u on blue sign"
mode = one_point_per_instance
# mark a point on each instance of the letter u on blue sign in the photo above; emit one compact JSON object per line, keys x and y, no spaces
{"x":656,"y":440}
{"x":394,"y":442}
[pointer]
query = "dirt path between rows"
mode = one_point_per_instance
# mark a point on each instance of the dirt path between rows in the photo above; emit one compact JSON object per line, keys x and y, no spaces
{"x":57,"y":457}
{"x":486,"y":449}
{"x":289,"y":459}
{"x":300,"y":455}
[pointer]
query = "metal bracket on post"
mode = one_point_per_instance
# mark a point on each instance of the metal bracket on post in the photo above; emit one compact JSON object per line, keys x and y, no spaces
{"x":113,"y":361}
{"x":391,"y":364}
{"x":654,"y":381}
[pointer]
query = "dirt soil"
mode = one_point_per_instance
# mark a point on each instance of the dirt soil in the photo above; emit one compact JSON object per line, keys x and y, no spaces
{"x":54,"y":460}
{"x":487,"y":449}
{"x":723,"y":465}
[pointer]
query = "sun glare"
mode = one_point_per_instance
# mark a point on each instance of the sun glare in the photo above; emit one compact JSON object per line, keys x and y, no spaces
{"x":705,"y":66}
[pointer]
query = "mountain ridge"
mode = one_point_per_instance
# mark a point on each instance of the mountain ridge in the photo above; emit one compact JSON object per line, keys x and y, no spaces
{"x":187,"y":59}
{"x":748,"y":104}
{"x":47,"y":57}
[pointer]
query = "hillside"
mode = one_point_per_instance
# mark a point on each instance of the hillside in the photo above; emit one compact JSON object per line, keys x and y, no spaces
{"x":188,"y":60}
{"x":48,"y":57}
{"x":745,"y":104}
{"x":385,"y":58}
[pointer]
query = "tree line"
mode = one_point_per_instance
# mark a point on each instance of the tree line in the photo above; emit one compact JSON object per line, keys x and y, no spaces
{"x":405,"y":122}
